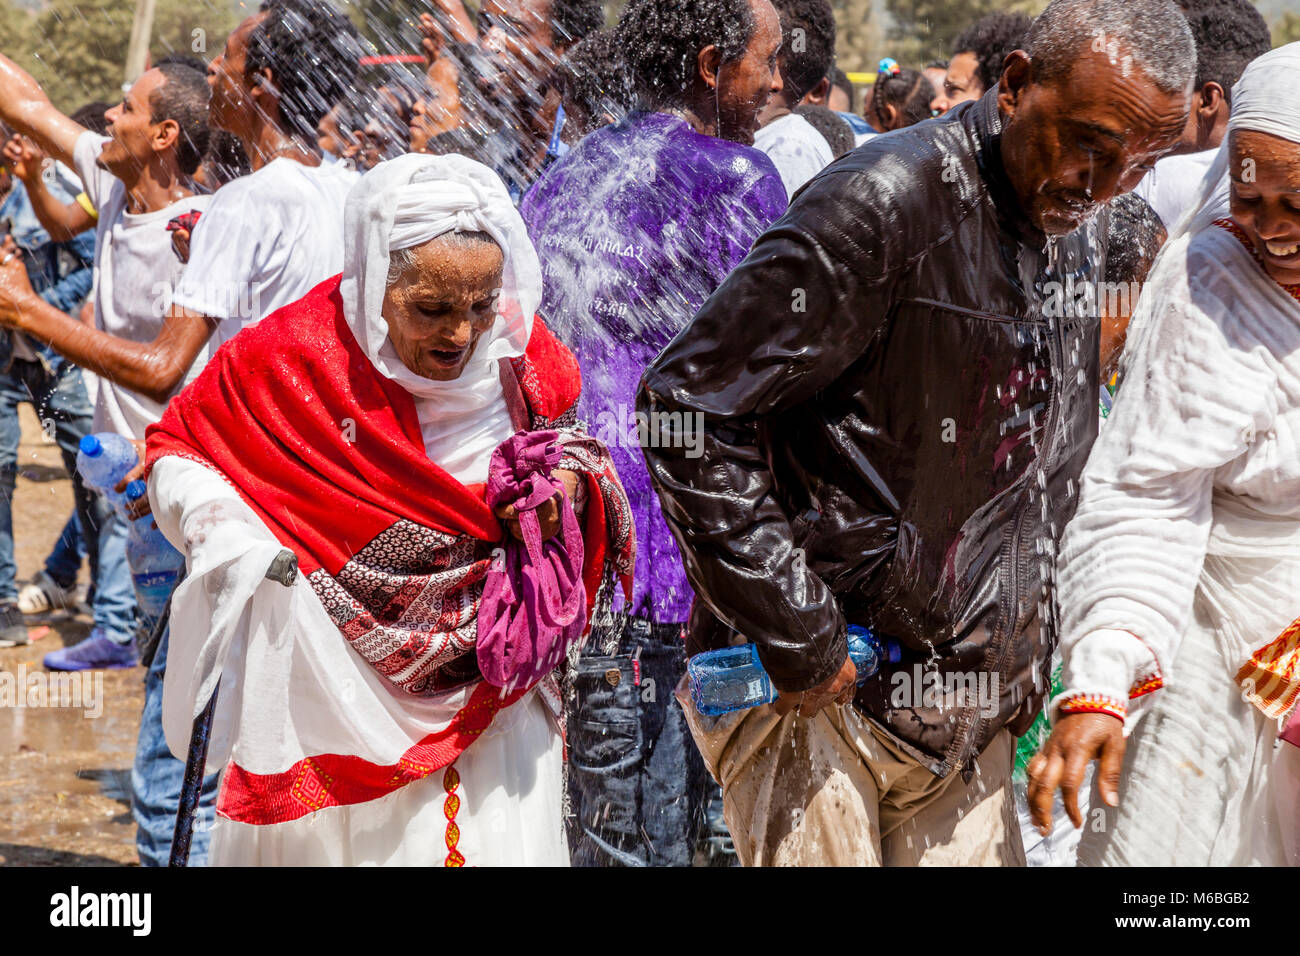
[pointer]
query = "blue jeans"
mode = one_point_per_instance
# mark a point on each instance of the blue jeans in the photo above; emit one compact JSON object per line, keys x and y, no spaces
{"x":156,"y":778}
{"x":64,"y":560}
{"x":637,"y":783}
{"x":55,"y":389}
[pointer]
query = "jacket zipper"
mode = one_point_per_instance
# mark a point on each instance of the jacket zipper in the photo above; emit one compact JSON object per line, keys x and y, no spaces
{"x":1012,"y":619}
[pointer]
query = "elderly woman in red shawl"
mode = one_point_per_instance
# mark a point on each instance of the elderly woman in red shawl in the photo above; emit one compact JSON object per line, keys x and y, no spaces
{"x":356,"y":428}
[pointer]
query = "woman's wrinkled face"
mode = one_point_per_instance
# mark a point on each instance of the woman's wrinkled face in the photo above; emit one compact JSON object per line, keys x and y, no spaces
{"x":1265,"y":174}
{"x":439,"y":306}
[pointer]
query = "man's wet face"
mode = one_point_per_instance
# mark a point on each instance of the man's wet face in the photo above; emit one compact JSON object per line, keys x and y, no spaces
{"x":230,"y":87}
{"x":1075,"y":142}
{"x":745,"y":84}
{"x":522,"y":51}
{"x":131,"y":128}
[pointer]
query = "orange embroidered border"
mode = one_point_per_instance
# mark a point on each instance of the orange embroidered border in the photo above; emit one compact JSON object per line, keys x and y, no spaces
{"x":1145,"y":685}
{"x":450,"y":782}
{"x":1094,"y":704}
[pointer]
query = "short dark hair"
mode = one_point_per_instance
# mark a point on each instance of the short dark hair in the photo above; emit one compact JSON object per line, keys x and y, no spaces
{"x":593,"y":77}
{"x":225,"y":159}
{"x":662,"y":40}
{"x":991,"y":38}
{"x":184,"y":59}
{"x":831,"y":125}
{"x":907,"y":91}
{"x":464,"y":140}
{"x":1134,"y":236}
{"x":841,"y":79}
{"x":1228,"y":34}
{"x":183,"y":98}
{"x":312,"y":50}
{"x":92,"y":117}
{"x":573,"y":20}
{"x":805,"y":67}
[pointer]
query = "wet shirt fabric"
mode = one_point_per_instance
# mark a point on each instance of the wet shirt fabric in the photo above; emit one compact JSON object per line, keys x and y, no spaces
{"x":1173,"y":187}
{"x":895,"y":418}
{"x":635,"y":228}
{"x":795,"y":147}
{"x":135,"y":272}
{"x":267,"y":240}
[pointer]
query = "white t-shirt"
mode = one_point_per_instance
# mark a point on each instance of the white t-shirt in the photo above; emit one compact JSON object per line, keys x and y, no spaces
{"x":267,"y":240}
{"x":135,"y":271}
{"x":1174,"y":185}
{"x":796,"y":149}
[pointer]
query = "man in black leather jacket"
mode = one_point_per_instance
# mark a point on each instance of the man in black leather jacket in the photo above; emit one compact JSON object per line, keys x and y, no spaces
{"x":898,"y":390}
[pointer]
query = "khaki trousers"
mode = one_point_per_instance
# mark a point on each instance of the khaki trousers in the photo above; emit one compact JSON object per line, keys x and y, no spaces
{"x":835,"y":790}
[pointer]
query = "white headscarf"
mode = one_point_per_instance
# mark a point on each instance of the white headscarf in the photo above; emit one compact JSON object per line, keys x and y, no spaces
{"x":406,"y":202}
{"x":1266,"y":99}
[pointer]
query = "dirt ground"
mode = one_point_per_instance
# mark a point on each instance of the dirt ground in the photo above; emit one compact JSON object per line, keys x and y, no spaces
{"x":65,"y":776}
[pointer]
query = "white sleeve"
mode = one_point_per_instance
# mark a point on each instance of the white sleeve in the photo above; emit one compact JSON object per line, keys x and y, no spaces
{"x":1195,"y":393}
{"x":228,"y":550}
{"x":1098,"y":675}
{"x":225,"y":250}
{"x":95,"y":181}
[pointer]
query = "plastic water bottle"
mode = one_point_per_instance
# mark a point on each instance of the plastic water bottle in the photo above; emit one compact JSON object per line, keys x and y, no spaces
{"x":733,"y":678}
{"x":155,"y":565}
{"x":103,"y":460}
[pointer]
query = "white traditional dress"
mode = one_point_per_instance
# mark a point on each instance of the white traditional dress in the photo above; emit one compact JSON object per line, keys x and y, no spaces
{"x":1180,"y":572}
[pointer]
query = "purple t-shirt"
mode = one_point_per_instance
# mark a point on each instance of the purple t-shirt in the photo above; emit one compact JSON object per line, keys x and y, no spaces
{"x":635,"y":228}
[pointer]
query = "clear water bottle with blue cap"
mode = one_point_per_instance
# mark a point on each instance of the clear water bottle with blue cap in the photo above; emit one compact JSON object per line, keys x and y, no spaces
{"x":733,"y":678}
{"x":103,"y":460}
{"x":155,"y":565}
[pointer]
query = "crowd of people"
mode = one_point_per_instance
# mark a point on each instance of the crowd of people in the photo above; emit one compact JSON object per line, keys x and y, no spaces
{"x":482,"y":395}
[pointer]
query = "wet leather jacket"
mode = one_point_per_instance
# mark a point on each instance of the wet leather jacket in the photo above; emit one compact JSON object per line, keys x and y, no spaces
{"x":894,"y":423}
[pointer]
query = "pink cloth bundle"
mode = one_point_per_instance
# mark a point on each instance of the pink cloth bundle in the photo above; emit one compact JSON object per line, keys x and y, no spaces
{"x":534,"y":603}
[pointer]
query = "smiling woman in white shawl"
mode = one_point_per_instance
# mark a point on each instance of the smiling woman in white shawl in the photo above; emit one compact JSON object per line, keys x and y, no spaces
{"x":355,"y":427}
{"x":1180,"y":573}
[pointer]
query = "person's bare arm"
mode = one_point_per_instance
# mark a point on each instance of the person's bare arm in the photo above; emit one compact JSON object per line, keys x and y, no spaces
{"x":451,"y":24}
{"x":61,"y":220}
{"x":1114,"y":330}
{"x":154,"y":369}
{"x":25,"y":107}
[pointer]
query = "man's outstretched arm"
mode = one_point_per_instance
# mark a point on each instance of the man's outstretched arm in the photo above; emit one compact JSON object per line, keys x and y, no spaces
{"x":154,"y":369}
{"x":62,"y":220}
{"x":25,"y":107}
